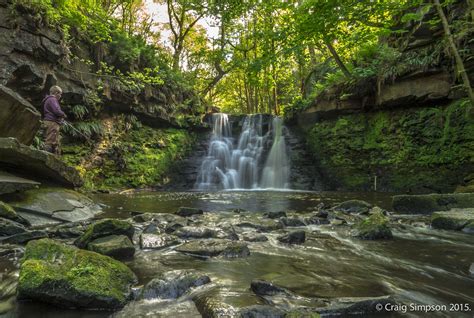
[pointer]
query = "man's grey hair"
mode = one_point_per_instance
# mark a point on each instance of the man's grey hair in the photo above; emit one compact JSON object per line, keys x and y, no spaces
{"x":55,"y":90}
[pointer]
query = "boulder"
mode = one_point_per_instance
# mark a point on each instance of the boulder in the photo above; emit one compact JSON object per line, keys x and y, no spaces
{"x":10,"y":183}
{"x":65,"y":276}
{"x":54,"y":205}
{"x":116,"y":246}
{"x":187,"y":232}
{"x":354,"y":206}
{"x":429,"y":203}
{"x":295,"y":237}
{"x":292,"y":221}
{"x":38,"y":165}
{"x":104,"y":228}
{"x":275,"y":215}
{"x":184,"y":211}
{"x":18,"y":118}
{"x":255,"y":237}
{"x":374,"y":227}
{"x":7,"y":212}
{"x":455,"y":219}
{"x":261,"y":311}
{"x":262,"y":225}
{"x":215,"y":247}
{"x":157,"y":241}
{"x":266,"y":288}
{"x":173,"y":284}
{"x":9,"y":227}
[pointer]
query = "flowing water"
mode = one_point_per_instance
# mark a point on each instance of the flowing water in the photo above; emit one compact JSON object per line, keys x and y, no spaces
{"x":420,"y":265}
{"x":239,"y":163}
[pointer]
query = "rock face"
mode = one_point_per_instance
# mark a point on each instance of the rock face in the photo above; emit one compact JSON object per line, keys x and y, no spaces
{"x":426,"y":204}
{"x":18,"y":118}
{"x":105,"y":228}
{"x":54,"y":205}
{"x":116,"y":246}
{"x":10,"y":183}
{"x":40,"y":165}
{"x":173,"y":285}
{"x":456,"y":219}
{"x":215,"y":247}
{"x":65,"y":276}
{"x":374,"y":227}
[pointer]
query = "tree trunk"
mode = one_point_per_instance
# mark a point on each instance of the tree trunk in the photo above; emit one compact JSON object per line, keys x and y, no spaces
{"x":459,"y":63}
{"x":337,"y":58}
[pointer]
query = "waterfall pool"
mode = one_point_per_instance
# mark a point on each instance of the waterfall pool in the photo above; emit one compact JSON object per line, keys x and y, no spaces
{"x":419,"y":265}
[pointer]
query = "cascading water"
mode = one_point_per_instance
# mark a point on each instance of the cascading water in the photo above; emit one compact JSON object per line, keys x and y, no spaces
{"x":230,"y":165}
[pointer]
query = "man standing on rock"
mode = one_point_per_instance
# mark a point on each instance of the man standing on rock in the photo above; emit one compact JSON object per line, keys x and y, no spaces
{"x":53,"y":119}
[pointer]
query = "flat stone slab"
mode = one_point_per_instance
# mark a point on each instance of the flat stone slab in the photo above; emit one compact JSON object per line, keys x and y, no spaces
{"x":39,"y":165}
{"x":54,"y":205}
{"x":429,"y":203}
{"x":10,"y":183}
{"x":455,"y":219}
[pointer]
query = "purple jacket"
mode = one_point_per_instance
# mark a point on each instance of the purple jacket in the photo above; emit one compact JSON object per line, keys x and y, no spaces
{"x":51,"y":109}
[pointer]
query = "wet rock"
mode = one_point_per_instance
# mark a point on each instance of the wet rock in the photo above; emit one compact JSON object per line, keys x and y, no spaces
{"x":296,"y":237}
{"x":10,"y":249}
{"x":116,"y":246}
{"x":157,"y":241}
{"x":10,"y":183}
{"x":68,"y":232}
{"x":9,"y":227}
{"x":187,"y":232}
{"x":428,"y":203}
{"x":262,"y":225}
{"x":374,"y":227}
{"x":317,"y":220}
{"x":261,"y":311}
{"x":266,"y":288}
{"x":255,"y":238}
{"x":25,"y":237}
{"x":185,"y":211}
{"x":322,"y":214}
{"x":275,"y":215}
{"x":215,"y":247}
{"x":455,"y":219}
{"x":54,"y":205}
{"x":65,"y":276}
{"x":172,"y":285}
{"x":7,"y":212}
{"x":355,"y":306}
{"x":292,"y":221}
{"x":354,"y":206}
{"x":471,"y":269}
{"x":469,"y":228}
{"x":338,"y":222}
{"x":103,"y":228}
{"x":211,"y":306}
{"x":170,"y":308}
{"x":38,"y":164}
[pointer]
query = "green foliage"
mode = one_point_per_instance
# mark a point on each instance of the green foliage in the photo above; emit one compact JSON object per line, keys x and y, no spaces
{"x":84,"y":129}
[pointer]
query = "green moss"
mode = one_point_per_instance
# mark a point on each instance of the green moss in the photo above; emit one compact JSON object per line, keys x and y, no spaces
{"x":374,"y":227}
{"x":408,"y":149}
{"x":7,"y":211}
{"x":54,"y":272}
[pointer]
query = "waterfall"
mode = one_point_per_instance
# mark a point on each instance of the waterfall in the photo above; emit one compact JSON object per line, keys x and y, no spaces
{"x":237,"y":164}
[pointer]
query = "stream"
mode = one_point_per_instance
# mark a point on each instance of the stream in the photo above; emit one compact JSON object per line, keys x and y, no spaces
{"x":419,"y":266}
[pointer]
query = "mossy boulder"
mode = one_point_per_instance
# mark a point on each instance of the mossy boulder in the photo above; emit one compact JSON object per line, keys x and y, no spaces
{"x":116,"y":246}
{"x":66,"y":276}
{"x":354,"y":206}
{"x":104,"y":228}
{"x":452,"y":220}
{"x":7,"y":212}
{"x":429,"y":203}
{"x":214,"y":247}
{"x":374,"y":227}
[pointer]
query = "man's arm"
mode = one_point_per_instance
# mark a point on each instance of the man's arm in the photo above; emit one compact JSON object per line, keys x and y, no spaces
{"x":55,"y":108}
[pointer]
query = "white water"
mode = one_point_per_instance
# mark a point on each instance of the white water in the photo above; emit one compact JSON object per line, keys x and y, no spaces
{"x":239,"y":165}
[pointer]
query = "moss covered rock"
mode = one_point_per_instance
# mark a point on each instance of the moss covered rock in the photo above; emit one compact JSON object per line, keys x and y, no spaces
{"x":63,"y":275}
{"x":354,"y":206}
{"x":428,"y":203}
{"x":453,"y":219}
{"x":214,"y":247}
{"x":116,"y":246}
{"x":374,"y":227}
{"x":7,"y":212}
{"x":104,"y":228}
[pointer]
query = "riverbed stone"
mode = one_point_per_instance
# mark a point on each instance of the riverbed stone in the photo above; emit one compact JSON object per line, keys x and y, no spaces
{"x":186,"y":211}
{"x":266,"y":288}
{"x":354,"y":206}
{"x":187,"y":232}
{"x":103,"y":228}
{"x":455,"y":219}
{"x":157,"y":240}
{"x":116,"y":246}
{"x":274,"y":215}
{"x":66,"y":276}
{"x":9,"y":227}
{"x":295,"y":237}
{"x":8,"y":212}
{"x":292,"y":221}
{"x":264,"y":225}
{"x":429,"y":203}
{"x":173,"y":284}
{"x":373,"y":227}
{"x":25,"y":237}
{"x":254,"y":237}
{"x":215,"y":247}
{"x":261,"y":311}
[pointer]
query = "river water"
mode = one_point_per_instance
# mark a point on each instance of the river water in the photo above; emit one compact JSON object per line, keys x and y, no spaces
{"x":419,"y":266}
